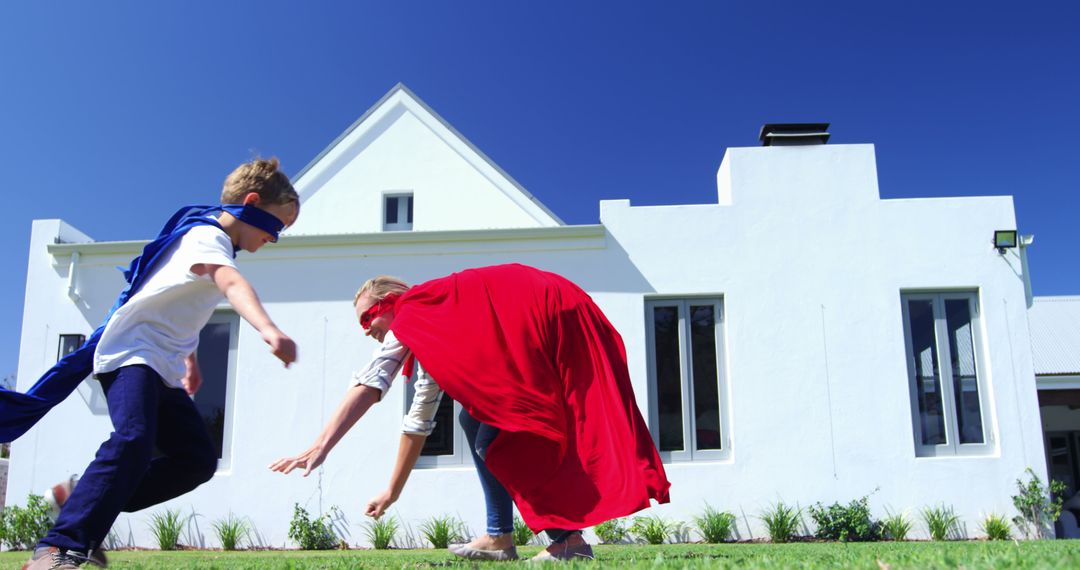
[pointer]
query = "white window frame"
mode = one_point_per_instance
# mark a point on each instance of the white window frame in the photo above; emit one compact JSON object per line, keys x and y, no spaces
{"x":689,"y":453}
{"x":403,"y":224}
{"x":456,"y":459}
{"x":952,"y":446}
{"x":233,"y":320}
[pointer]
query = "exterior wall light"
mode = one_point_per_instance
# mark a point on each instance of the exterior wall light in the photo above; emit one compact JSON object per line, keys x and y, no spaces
{"x":1004,"y":239}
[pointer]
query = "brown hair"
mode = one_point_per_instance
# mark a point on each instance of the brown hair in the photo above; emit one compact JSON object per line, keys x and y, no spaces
{"x":262,"y":177}
{"x":380,"y":287}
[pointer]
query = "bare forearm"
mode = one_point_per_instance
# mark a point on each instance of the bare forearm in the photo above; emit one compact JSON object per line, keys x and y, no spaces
{"x":241,"y":295}
{"x":356,"y":403}
{"x":408,"y":452}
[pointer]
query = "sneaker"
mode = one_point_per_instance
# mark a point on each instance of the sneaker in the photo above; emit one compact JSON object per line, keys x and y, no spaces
{"x":53,"y":558}
{"x":58,"y":494}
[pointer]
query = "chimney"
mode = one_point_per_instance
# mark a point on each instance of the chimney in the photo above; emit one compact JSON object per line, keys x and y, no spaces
{"x":794,"y":134}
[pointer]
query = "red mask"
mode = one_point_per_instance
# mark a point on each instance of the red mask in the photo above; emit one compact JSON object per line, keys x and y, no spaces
{"x":377,"y":310}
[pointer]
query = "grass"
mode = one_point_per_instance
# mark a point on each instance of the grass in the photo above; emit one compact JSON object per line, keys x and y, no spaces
{"x":1061,"y":554}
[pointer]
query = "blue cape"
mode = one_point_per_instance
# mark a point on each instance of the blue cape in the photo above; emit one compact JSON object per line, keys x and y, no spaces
{"x":19,"y":412}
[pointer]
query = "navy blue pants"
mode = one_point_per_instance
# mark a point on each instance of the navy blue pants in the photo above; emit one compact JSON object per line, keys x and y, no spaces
{"x":497,"y":500}
{"x":125,"y":476}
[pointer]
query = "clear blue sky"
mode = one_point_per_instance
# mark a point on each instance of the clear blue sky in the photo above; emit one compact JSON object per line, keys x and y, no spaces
{"x":112,"y":114}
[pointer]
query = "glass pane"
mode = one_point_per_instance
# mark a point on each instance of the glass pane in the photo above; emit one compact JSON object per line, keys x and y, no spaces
{"x":1061,"y":465}
{"x":391,"y":210}
{"x":213,"y":355}
{"x":408,"y":217}
{"x":965,"y":379}
{"x":705,"y":382}
{"x":925,"y":369}
{"x":441,"y":440}
{"x":668,"y":377}
{"x":69,"y":343}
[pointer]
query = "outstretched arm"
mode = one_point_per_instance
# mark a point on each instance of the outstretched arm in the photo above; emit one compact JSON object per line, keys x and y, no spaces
{"x":408,"y":452}
{"x":356,"y":403}
{"x":241,"y":295}
{"x":417,"y":424}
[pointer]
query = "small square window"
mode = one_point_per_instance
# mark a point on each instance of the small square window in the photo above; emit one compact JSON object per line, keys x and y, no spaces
{"x":69,"y":343}
{"x":397,"y":212}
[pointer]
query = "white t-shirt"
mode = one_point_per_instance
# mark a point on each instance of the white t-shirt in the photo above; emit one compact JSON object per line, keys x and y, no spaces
{"x":159,"y":325}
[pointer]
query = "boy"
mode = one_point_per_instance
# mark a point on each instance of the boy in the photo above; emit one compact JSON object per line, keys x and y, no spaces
{"x":145,"y":360}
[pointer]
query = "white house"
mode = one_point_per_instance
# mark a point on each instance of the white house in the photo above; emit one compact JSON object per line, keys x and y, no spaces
{"x":797,"y":339}
{"x":1055,"y":343}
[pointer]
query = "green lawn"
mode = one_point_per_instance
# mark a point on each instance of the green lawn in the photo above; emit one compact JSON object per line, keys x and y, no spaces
{"x":875,"y":556}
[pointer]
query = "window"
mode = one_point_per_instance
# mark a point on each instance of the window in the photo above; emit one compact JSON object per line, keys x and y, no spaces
{"x":686,"y":384}
{"x":217,"y":361}
{"x":446,"y":444}
{"x":90,"y":389}
{"x":397,"y":212}
{"x":944,"y":365}
{"x":69,"y":343}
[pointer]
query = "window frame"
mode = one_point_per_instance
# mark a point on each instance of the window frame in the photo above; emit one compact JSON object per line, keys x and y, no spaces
{"x":690,"y":452}
{"x":404,"y":222}
{"x":952,"y":446}
{"x":231,"y":318}
{"x":455,"y":459}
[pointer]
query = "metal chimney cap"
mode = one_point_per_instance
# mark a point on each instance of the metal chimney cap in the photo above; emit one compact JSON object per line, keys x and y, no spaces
{"x":794,"y":134}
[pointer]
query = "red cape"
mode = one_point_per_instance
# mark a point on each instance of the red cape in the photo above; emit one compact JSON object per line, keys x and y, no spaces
{"x":528,"y":352}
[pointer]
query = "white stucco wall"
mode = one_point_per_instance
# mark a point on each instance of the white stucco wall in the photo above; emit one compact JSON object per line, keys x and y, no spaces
{"x":401,"y":146}
{"x":810,"y":264}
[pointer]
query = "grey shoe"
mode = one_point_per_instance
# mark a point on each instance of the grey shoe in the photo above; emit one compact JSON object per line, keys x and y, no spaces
{"x":564,"y":552}
{"x":464,"y":551}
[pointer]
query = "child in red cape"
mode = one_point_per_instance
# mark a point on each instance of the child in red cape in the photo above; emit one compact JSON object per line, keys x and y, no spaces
{"x":548,"y":407}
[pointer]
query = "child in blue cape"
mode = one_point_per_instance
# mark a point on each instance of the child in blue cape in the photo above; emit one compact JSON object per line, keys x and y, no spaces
{"x":144,"y":356}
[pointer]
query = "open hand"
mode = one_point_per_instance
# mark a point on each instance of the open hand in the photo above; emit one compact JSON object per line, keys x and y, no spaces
{"x":308,"y":461}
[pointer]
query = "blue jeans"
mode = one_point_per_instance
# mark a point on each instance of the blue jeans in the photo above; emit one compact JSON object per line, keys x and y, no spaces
{"x":500,"y":507}
{"x":125,"y":476}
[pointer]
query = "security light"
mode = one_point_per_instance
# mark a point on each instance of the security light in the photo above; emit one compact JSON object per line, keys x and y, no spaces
{"x":1004,"y":239}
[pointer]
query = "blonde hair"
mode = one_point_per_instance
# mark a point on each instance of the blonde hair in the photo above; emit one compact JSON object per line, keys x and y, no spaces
{"x":262,"y":177}
{"x":380,"y":287}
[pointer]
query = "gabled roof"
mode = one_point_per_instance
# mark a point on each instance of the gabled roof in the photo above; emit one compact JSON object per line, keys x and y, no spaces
{"x":1055,"y":335}
{"x":402,"y":96}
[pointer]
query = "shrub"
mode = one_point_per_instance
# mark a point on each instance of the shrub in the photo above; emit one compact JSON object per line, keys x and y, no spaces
{"x":996,"y":527}
{"x":612,"y":531}
{"x":845,"y":523}
{"x":782,"y":522}
{"x":166,"y":528}
{"x":941,"y":522}
{"x":895,"y":527}
{"x":1039,"y":506}
{"x":715,"y":526}
{"x":653,"y":529}
{"x":312,"y":534}
{"x":522,"y":533}
{"x":231,"y":530}
{"x":22,"y":527}
{"x":381,"y":532}
{"x":441,"y":531}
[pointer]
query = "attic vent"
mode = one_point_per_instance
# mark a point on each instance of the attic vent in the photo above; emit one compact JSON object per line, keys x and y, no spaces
{"x":791,"y":134}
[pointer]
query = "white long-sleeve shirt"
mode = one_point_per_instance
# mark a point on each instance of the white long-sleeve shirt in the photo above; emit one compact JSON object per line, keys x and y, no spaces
{"x":380,"y":372}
